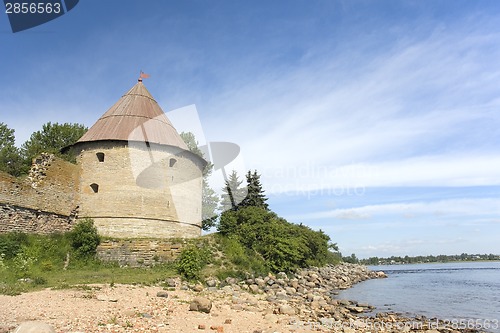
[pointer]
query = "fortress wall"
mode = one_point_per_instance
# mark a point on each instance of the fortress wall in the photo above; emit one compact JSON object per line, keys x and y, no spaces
{"x":140,"y":252}
{"x":50,"y":187}
{"x":21,"y":219}
{"x":43,"y":202}
{"x":144,"y":228}
{"x":135,"y":190}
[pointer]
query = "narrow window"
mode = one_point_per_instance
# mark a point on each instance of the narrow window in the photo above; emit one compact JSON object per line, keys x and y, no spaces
{"x":100,"y":157}
{"x":94,"y":187}
{"x":172,"y":162}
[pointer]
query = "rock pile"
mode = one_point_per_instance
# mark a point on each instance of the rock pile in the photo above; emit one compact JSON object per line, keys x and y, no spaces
{"x":39,"y":168}
{"x":308,"y":298}
{"x":308,"y":293}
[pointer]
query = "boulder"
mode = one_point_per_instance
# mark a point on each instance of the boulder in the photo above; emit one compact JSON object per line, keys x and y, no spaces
{"x":171,"y":283}
{"x":286,"y":309}
{"x":162,"y":294}
{"x":356,"y":309}
{"x":254,"y":288}
{"x":198,"y":288}
{"x":260,"y":282}
{"x":230,"y":280}
{"x":211,"y":283}
{"x":201,"y":304}
{"x":281,"y":295}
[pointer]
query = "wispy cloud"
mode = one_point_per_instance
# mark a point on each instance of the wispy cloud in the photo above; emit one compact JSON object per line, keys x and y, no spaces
{"x":410,"y":247}
{"x":422,"y":112}
{"x":442,"y":208}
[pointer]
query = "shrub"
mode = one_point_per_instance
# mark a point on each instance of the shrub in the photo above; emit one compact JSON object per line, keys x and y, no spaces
{"x":85,"y":239}
{"x":23,"y":264}
{"x":284,"y":246}
{"x":38,"y":281}
{"x":245,"y":259}
{"x":11,"y":244}
{"x":191,"y":261}
{"x":46,"y":266}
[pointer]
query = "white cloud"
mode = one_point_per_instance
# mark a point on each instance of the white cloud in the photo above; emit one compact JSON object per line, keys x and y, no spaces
{"x":410,"y":247}
{"x":440,"y":208}
{"x":423,"y":113}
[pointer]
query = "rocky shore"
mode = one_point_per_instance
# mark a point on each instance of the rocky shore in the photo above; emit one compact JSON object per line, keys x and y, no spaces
{"x":306,"y":301}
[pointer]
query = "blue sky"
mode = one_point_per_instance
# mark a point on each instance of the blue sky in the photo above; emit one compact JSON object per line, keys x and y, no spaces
{"x":376,"y":121}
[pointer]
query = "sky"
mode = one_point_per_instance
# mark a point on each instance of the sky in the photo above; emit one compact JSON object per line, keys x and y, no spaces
{"x":375,"y":121}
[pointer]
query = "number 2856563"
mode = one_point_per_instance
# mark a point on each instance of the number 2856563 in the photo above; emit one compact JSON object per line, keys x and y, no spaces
{"x":32,"y":8}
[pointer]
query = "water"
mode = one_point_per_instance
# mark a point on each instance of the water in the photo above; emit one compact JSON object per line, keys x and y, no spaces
{"x":460,"y":291}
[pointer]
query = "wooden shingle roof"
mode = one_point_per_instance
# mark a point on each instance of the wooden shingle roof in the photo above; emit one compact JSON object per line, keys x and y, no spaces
{"x":135,"y":117}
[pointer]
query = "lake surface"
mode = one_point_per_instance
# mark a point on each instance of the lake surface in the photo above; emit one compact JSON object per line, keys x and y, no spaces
{"x":465,"y":290}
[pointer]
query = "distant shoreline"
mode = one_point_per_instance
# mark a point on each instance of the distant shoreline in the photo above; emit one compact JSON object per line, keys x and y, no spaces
{"x":432,"y":262}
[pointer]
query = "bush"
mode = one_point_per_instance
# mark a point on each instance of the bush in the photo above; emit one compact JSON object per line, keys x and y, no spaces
{"x":191,"y":261}
{"x":243,"y":258}
{"x":11,"y":244}
{"x":284,"y":246}
{"x":38,"y":280}
{"x":85,"y":239}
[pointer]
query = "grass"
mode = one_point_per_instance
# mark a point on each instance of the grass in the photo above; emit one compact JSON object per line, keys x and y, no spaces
{"x":34,"y":262}
{"x":31,"y":262}
{"x":114,"y":275}
{"x":81,"y":276}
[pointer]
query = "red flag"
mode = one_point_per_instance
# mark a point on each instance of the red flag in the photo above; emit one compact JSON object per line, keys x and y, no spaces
{"x":144,"y":75}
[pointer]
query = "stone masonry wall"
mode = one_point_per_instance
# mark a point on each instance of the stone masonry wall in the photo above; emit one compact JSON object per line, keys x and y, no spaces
{"x":50,"y":187}
{"x":43,"y":202}
{"x":20,"y":219}
{"x":134,"y":190}
{"x":140,"y":252}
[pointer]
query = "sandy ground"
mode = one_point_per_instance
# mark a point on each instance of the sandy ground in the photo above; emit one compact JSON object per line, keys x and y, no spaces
{"x":125,"y":308}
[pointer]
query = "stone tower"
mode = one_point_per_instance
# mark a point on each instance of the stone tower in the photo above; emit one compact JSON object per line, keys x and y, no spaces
{"x":137,"y":177}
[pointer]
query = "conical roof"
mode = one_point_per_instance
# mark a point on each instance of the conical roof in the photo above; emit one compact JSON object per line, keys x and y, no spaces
{"x":135,"y":117}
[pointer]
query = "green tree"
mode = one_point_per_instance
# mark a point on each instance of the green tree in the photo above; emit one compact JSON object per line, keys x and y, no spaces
{"x":283,"y":245}
{"x":351,"y":259}
{"x":85,"y":239}
{"x":210,"y":200}
{"x":51,"y":139}
{"x":10,"y":158}
{"x":255,"y":193}
{"x":372,"y":261}
{"x":232,"y":194}
{"x":192,"y":144}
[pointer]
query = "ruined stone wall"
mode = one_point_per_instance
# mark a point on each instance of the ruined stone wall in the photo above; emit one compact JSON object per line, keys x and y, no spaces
{"x":140,"y":252}
{"x":21,"y":219}
{"x":130,"y":190}
{"x":135,"y":190}
{"x":45,"y":200}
